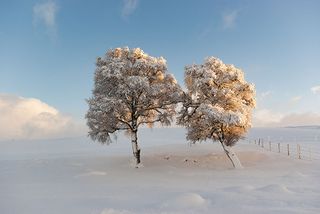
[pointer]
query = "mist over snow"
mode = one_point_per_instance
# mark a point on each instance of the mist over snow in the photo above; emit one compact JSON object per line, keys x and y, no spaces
{"x":30,"y":118}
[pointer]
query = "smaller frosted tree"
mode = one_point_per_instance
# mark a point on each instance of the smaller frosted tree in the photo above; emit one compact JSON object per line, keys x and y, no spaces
{"x":218,"y":104}
{"x":131,"y":89}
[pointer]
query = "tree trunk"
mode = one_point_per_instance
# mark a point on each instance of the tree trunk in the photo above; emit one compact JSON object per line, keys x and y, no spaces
{"x":232,"y":156}
{"x":135,"y":148}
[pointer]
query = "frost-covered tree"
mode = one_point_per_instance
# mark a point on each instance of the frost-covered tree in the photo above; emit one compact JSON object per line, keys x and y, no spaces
{"x":131,"y":89}
{"x":218,"y":104}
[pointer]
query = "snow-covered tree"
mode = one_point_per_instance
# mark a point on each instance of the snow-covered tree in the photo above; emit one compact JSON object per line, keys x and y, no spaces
{"x":131,"y":89}
{"x":218,"y":104}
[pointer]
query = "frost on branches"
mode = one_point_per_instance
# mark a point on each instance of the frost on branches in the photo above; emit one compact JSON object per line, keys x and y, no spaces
{"x":218,"y":104}
{"x":131,"y":89}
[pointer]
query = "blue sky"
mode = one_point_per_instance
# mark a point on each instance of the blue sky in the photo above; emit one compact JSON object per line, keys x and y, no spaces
{"x":48,"y":48}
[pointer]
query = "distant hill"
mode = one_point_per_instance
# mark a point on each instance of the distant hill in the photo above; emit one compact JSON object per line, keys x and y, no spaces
{"x":304,"y":127}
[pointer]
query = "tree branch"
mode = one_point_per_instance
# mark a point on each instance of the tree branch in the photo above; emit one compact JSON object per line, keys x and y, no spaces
{"x":153,"y":121}
{"x":125,"y":122}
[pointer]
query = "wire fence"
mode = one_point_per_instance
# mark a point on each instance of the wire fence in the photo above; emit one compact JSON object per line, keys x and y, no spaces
{"x":293,"y":150}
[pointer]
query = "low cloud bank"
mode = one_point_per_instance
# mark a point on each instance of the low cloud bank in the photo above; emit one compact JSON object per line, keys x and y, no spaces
{"x":267,"y":118}
{"x":29,"y":118}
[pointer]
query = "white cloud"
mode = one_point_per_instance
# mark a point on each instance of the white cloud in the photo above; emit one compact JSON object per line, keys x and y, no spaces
{"x":45,"y":13}
{"x":29,"y":118}
{"x":265,"y":117}
{"x":265,"y":94}
{"x":229,"y":19}
{"x":268,"y":118}
{"x":301,"y":119}
{"x":129,"y":7}
{"x":295,"y":99}
{"x":316,"y":89}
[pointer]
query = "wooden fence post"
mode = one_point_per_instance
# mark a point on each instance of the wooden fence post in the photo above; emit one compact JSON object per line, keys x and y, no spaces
{"x":270,"y":145}
{"x":299,"y":151}
{"x":279,"y":147}
{"x":288,"y":148}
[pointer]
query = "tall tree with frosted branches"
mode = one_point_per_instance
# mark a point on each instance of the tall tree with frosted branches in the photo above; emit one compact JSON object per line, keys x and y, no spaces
{"x":131,"y":89}
{"x":218,"y":104}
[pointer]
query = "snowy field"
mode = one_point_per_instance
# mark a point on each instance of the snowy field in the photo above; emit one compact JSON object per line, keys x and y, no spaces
{"x":75,"y":176}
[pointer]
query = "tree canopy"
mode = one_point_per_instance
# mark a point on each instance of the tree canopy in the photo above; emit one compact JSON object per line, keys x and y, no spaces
{"x":218,"y":103}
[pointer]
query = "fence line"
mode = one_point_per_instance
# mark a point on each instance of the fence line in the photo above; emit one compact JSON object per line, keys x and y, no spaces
{"x":293,"y":150}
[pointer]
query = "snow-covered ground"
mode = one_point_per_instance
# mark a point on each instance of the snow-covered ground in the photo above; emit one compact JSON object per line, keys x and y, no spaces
{"x":74,"y":176}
